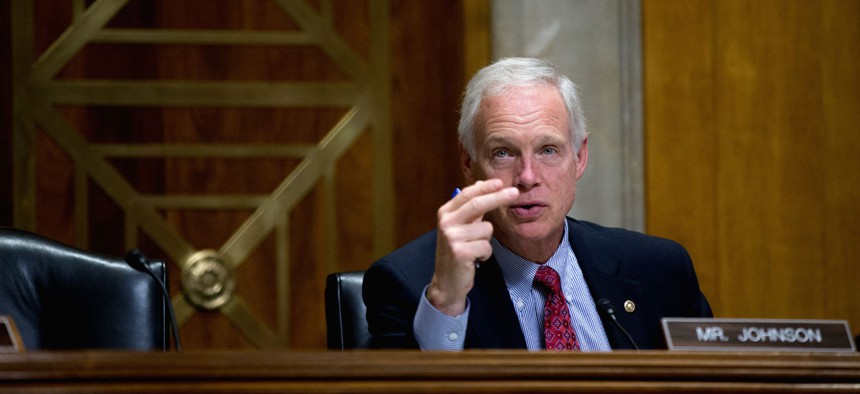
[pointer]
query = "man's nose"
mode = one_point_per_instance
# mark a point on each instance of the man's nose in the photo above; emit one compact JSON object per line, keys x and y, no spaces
{"x":527,"y":176}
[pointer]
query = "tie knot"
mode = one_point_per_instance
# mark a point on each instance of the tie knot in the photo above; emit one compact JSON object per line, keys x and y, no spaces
{"x":549,"y":278}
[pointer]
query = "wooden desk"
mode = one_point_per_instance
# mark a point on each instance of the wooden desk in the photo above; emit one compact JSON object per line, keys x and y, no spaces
{"x":387,"y":371}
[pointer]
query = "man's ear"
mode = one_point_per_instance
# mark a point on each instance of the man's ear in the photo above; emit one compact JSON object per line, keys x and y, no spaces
{"x":467,"y":165}
{"x":582,"y":158}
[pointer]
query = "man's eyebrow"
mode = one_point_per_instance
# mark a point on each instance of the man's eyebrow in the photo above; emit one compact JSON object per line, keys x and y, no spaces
{"x":551,"y":140}
{"x":502,"y":138}
{"x":497,"y":138}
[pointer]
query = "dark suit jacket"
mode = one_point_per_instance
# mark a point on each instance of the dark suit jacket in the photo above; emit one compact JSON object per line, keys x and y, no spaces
{"x":619,"y":265}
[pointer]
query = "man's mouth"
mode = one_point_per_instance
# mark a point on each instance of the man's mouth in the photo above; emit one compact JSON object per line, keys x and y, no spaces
{"x":528,"y":209}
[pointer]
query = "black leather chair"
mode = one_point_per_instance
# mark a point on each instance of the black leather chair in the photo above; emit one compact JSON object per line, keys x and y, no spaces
{"x":346,"y":326}
{"x":64,"y":298}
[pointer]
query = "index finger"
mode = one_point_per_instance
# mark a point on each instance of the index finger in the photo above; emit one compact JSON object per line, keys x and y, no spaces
{"x":482,"y":197}
{"x":460,"y":197}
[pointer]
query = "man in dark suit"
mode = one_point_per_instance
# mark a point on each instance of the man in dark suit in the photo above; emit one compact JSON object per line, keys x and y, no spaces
{"x":505,"y":267}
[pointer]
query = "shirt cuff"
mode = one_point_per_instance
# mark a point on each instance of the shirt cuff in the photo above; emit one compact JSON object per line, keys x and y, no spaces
{"x":435,"y":330}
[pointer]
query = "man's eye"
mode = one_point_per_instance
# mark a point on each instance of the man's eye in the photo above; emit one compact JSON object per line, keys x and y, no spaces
{"x":549,"y":151}
{"x":501,"y":154}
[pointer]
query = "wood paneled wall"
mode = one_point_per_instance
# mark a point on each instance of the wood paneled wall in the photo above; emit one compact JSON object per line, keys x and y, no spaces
{"x":5,"y":114}
{"x":427,"y":45}
{"x":751,"y":122}
{"x":427,"y":63}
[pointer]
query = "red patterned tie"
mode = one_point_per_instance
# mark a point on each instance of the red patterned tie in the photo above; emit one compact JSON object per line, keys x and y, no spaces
{"x":557,"y":328}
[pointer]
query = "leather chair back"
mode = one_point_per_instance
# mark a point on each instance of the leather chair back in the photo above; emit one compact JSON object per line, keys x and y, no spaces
{"x":346,"y":325}
{"x":64,"y":298}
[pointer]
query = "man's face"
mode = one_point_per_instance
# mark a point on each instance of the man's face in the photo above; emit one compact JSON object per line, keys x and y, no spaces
{"x":522,"y":138}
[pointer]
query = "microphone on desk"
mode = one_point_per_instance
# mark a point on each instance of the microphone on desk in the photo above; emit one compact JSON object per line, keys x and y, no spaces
{"x":606,"y":307}
{"x":135,"y":259}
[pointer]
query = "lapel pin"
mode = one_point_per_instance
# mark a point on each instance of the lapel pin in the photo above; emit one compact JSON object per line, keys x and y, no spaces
{"x":629,"y":306}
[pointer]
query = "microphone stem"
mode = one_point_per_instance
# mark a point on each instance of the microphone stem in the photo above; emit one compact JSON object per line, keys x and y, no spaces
{"x":627,"y":334}
{"x":176,"y":341}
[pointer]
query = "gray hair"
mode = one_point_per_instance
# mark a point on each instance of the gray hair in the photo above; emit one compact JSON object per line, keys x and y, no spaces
{"x":514,"y":72}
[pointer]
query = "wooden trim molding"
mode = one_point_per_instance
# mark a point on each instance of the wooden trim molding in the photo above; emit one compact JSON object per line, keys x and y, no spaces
{"x":411,"y":371}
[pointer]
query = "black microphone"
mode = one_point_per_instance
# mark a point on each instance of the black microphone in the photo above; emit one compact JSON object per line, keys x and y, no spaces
{"x":138,"y":261}
{"x":606,"y":307}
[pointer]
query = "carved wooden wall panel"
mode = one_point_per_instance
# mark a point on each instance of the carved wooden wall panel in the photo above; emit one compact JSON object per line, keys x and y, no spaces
{"x":248,"y":143}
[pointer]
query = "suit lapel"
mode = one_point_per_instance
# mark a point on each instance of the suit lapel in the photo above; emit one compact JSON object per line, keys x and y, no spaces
{"x":617,"y":291}
{"x":600,"y":267}
{"x":493,"y":322}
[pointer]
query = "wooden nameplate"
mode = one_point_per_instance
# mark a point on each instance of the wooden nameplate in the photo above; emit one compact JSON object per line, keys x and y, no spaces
{"x":782,"y":335}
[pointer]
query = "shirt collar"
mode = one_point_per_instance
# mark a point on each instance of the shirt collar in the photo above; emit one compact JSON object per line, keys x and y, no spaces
{"x":520,"y":272}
